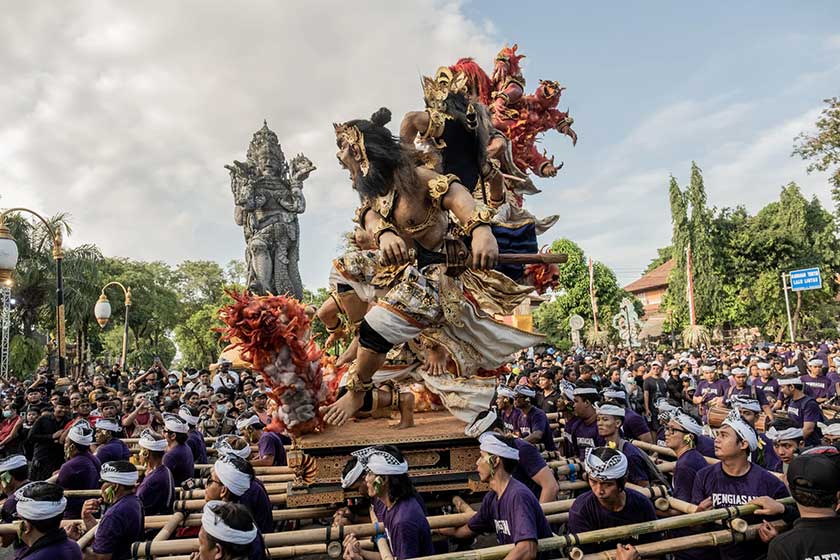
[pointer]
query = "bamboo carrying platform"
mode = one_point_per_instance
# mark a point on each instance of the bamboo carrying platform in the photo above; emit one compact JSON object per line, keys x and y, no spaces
{"x":439,"y":455}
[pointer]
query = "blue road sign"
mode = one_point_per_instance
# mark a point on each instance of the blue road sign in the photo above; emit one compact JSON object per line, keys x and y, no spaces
{"x":805,"y":279}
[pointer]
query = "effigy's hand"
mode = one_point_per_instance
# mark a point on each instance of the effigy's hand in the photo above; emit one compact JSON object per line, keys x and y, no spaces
{"x":392,"y":249}
{"x":485,"y":250}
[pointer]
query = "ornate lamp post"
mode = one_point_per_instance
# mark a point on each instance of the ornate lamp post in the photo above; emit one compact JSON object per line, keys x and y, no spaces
{"x":102,"y":312}
{"x":8,"y":261}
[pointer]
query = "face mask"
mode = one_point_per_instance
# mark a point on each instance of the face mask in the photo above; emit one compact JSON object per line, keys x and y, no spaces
{"x":7,"y":414}
{"x":221,"y":408}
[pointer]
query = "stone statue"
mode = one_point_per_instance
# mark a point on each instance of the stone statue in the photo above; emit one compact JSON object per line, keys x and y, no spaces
{"x":268,"y":196}
{"x":627,"y":323}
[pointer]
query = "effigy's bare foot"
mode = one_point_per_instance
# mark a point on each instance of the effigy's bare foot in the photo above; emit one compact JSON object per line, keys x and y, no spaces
{"x":404,"y":423}
{"x":436,"y":360}
{"x":344,"y":408}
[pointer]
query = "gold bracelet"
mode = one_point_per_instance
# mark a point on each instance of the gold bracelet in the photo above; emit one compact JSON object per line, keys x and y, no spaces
{"x":481,"y":216}
{"x":356,"y":385}
{"x":382,"y":228}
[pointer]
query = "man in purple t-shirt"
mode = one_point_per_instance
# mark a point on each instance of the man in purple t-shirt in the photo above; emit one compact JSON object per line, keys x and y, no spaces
{"x":40,"y":506}
{"x":816,"y":384}
{"x":634,"y":425}
{"x":609,"y":503}
{"x":270,"y":446}
{"x":509,"y":509}
{"x":532,"y":424}
{"x":81,"y":471}
{"x":802,"y":409}
{"x":507,"y":412}
{"x":123,"y":522}
{"x":179,"y":457}
{"x":710,"y":391}
{"x":583,"y":429}
{"x":736,"y":481}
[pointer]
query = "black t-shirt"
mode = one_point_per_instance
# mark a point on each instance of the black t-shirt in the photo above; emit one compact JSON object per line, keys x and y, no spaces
{"x":548,"y":403}
{"x":811,"y":538}
{"x":657,"y":388}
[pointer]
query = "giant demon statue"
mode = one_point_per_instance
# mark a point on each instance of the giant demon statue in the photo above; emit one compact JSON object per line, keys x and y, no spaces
{"x":268,"y":196}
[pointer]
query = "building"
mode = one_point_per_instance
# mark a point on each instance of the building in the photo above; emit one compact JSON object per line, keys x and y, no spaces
{"x":650,"y":289}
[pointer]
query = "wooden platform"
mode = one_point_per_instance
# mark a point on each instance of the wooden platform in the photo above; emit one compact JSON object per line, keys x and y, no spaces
{"x":429,"y":427}
{"x":440,"y":457}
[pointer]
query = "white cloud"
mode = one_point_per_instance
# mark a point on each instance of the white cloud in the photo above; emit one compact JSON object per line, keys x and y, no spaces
{"x":125,"y":116}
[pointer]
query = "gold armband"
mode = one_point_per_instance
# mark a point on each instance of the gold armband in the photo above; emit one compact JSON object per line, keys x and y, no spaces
{"x":382,"y":228}
{"x":360,"y":214}
{"x":437,"y":122}
{"x":481,"y":216}
{"x":439,"y":186}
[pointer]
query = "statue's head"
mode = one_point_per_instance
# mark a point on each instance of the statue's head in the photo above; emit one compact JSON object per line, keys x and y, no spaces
{"x":507,"y":63}
{"x":548,"y":93}
{"x":300,"y":167}
{"x":369,"y":152}
{"x":265,"y":153}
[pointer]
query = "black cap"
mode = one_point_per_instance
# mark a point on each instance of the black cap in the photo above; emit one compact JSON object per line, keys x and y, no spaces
{"x":818,"y":470}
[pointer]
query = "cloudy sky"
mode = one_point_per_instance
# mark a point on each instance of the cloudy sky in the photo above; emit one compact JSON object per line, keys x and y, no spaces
{"x":124,"y":113}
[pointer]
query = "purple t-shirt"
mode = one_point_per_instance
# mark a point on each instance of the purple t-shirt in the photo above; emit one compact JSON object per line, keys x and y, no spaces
{"x":195,"y":441}
{"x":510,"y":419}
{"x":59,"y":548}
{"x":120,"y":526}
{"x":636,"y":469}
{"x":271,"y":444}
{"x":530,"y":463}
{"x":180,"y":461}
{"x":725,"y":490}
{"x":583,"y":436}
{"x":157,"y":491}
{"x":770,"y":388}
{"x":804,"y":410}
{"x":79,"y":473}
{"x":536,"y":421}
{"x":587,"y":514}
{"x":706,"y":446}
{"x":407,"y":529}
{"x":817,"y":387}
{"x":114,"y":450}
{"x":256,"y":500}
{"x":685,"y":471}
{"x":515,"y":517}
{"x":634,"y":425}
{"x":766,"y":456}
{"x":746,"y":391}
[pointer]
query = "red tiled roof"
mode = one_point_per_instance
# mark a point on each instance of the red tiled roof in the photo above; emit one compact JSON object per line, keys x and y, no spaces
{"x":656,"y":278}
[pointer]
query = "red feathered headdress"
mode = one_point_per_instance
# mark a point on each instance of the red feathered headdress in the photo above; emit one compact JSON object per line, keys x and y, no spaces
{"x":477,"y":78}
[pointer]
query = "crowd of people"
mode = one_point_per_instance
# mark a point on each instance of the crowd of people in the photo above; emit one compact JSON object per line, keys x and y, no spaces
{"x":745,"y":424}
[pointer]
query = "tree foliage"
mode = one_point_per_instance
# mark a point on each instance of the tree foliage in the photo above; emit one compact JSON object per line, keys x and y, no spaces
{"x":572,"y":297}
{"x":823,"y":148}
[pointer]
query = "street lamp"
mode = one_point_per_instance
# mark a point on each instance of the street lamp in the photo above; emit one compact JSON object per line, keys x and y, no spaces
{"x":102,"y":312}
{"x":8,"y":262}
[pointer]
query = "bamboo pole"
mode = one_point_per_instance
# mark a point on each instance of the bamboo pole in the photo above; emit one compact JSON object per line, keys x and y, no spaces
{"x":667,"y":451}
{"x":271,"y":488}
{"x":166,"y":531}
{"x":86,"y":539}
{"x":154,"y":522}
{"x":610,"y":534}
{"x":380,"y":539}
{"x":713,"y":538}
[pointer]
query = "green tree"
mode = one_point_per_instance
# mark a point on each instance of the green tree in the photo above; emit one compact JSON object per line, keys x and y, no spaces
{"x":664,"y":254}
{"x":196,"y":338}
{"x":823,"y":148}
{"x":316,"y":298}
{"x":552,"y":318}
{"x":199,"y":283}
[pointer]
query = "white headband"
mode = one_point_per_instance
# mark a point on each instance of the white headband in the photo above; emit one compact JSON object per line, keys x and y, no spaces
{"x":108,"y":424}
{"x":525,"y":391}
{"x":219,"y":530}
{"x":832,"y":429}
{"x":612,"y":469}
{"x":243,"y":423}
{"x":734,"y":421}
{"x":175,"y":423}
{"x":815,"y":362}
{"x":707,"y":369}
{"x":187,"y":417}
{"x":609,"y":394}
{"x":480,"y":425}
{"x":358,"y":469}
{"x":505,"y":392}
{"x":385,"y":464}
{"x":739,"y":371}
{"x":662,"y":405}
{"x":235,"y":480}
{"x":148,"y":441}
{"x":109,"y":473}
{"x":788,"y":433}
{"x":36,"y":510}
{"x":687,"y":422}
{"x":12,"y":462}
{"x":610,"y":410}
{"x":568,"y":389}
{"x":790,"y":381}
{"x":585,"y":391}
{"x":81,"y":433}
{"x":763,"y":365}
{"x":224,"y":447}
{"x":745,"y":403}
{"x":490,"y":443}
